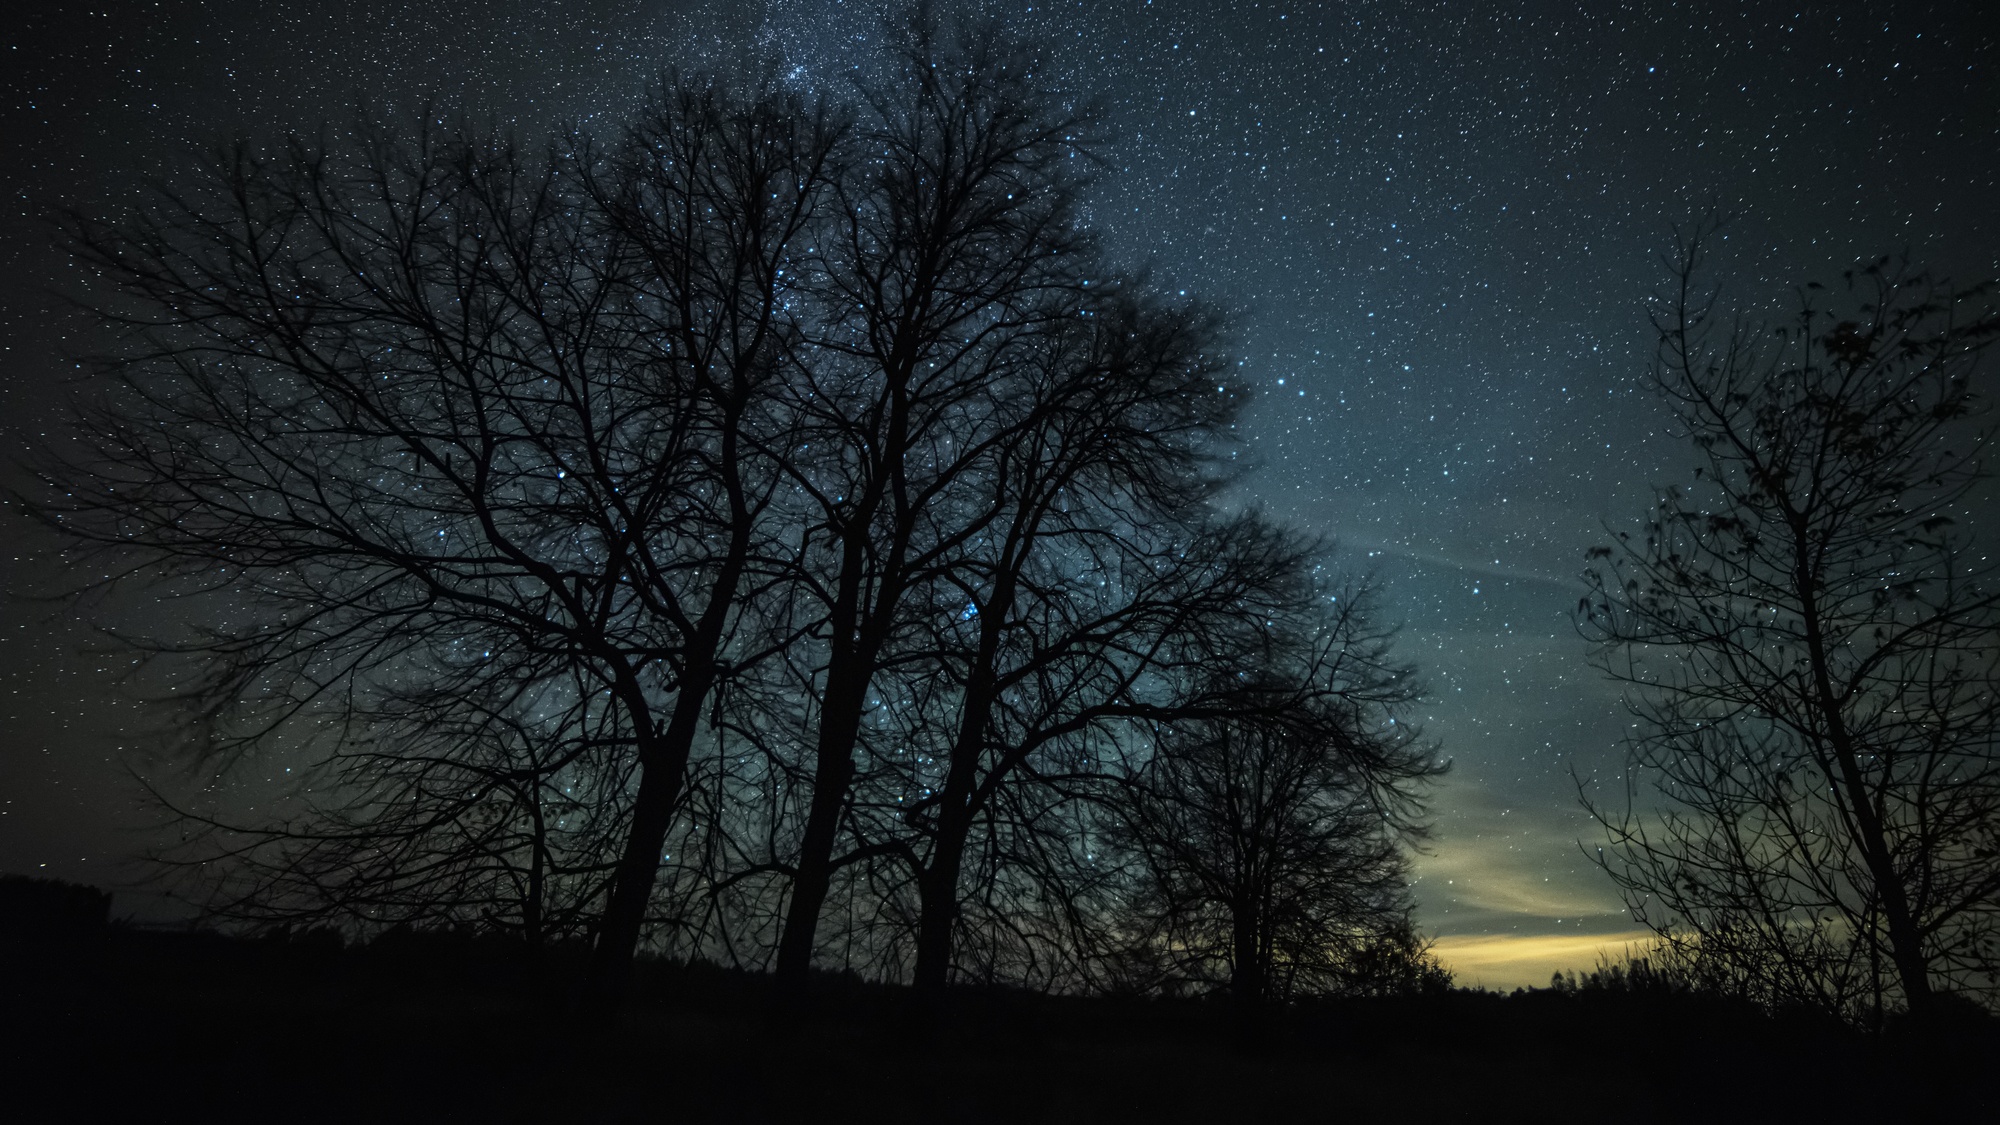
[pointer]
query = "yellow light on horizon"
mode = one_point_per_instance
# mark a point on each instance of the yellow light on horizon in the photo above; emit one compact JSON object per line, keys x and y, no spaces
{"x":1507,"y":961}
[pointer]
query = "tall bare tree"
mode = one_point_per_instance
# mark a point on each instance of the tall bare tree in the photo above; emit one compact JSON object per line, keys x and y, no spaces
{"x":960,"y":247}
{"x":1811,"y":644}
{"x":1092,"y":572}
{"x":437,"y":413}
{"x":719,"y":203}
{"x":663,"y":538}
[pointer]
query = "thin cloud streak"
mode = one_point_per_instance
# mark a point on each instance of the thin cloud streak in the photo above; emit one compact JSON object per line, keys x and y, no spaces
{"x":1482,"y":878}
{"x":1507,"y":961}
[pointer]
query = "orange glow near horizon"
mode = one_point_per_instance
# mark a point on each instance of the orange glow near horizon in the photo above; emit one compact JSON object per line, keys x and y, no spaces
{"x":1508,"y":961}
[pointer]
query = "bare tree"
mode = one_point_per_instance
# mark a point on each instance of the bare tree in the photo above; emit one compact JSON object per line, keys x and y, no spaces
{"x":960,"y":247}
{"x":1810,"y":643}
{"x":476,"y":801}
{"x":769,"y":510}
{"x":1269,"y":832}
{"x":719,"y":203}
{"x":1078,"y":650}
{"x":1092,"y":573}
{"x":430,"y":418}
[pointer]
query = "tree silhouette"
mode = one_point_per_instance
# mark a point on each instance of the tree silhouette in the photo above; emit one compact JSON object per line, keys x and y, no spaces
{"x":445,"y":426}
{"x":718,"y":202}
{"x":1268,"y":831}
{"x":486,"y":803}
{"x":671,"y":540}
{"x":959,"y":257}
{"x":1078,"y":653}
{"x":1810,"y":645}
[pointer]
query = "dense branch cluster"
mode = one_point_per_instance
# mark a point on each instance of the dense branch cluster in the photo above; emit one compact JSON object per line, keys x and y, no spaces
{"x":772,"y":534}
{"x":1813,"y":646}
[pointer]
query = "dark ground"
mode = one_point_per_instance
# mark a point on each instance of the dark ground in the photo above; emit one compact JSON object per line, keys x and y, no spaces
{"x":116,"y":1024}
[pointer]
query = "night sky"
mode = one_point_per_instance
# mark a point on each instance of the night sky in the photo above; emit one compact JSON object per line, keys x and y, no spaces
{"x":1436,"y":226}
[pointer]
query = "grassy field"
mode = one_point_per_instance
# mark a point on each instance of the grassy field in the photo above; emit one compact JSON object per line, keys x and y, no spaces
{"x":136,"y":1026}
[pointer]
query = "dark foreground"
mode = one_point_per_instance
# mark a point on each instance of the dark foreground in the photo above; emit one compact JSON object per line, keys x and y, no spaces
{"x":135,"y":1026}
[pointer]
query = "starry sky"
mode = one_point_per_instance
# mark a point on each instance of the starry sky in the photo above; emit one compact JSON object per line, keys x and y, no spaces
{"x":1436,"y":227}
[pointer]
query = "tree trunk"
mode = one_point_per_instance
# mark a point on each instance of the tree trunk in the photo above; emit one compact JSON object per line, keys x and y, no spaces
{"x":1905,"y":941}
{"x":833,"y":772}
{"x":663,"y":762}
{"x":1246,"y":969}
{"x":531,"y":909}
{"x":937,"y":883}
{"x":937,"y":918}
{"x":632,"y":881}
{"x":858,"y":637}
{"x":662,"y":767}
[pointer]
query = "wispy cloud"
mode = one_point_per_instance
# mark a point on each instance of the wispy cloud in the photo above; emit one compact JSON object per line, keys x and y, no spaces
{"x":1528,"y":960}
{"x":1500,"y":880}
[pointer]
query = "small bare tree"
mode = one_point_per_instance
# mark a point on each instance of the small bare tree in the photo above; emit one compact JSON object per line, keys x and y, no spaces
{"x":1269,"y":831}
{"x":1811,"y":646}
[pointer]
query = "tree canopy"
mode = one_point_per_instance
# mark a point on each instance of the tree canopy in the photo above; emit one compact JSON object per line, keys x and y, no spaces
{"x":765,"y":532}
